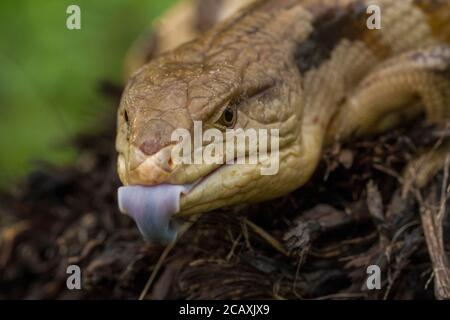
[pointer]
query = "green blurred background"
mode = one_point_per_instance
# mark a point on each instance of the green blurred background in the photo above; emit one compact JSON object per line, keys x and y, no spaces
{"x":49,"y":75}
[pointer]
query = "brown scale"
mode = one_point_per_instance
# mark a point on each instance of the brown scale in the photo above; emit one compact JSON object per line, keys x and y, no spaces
{"x":438,"y":15}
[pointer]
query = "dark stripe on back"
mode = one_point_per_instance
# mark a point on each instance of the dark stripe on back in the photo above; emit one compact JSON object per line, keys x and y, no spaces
{"x":330,"y":28}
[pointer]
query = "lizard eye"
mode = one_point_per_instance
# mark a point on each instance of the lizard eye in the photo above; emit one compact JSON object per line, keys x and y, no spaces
{"x":228,"y":117}
{"x":125,"y":115}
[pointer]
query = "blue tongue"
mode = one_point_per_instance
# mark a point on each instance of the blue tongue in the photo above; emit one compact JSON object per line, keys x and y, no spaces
{"x":152,"y":207}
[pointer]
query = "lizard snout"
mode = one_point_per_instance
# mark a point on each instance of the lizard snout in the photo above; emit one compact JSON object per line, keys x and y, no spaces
{"x":138,"y":168}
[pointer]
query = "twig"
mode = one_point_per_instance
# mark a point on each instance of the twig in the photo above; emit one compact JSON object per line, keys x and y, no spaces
{"x":432,"y":225}
{"x":185,"y":227}
{"x":235,"y":243}
{"x":266,"y":236}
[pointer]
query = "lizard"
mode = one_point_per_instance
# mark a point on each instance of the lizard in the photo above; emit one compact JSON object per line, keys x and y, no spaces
{"x":311,"y":69}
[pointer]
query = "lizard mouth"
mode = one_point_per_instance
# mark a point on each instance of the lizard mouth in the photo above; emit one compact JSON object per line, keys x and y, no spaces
{"x":152,"y":207}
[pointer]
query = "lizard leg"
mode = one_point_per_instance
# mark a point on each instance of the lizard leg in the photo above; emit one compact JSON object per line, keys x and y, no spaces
{"x":392,"y":91}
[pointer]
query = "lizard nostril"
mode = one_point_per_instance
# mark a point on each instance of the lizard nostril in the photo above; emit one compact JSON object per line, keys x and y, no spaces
{"x":150,"y":147}
{"x":160,"y":155}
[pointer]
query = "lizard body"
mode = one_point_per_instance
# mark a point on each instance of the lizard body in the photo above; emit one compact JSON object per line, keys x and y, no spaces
{"x":309,"y":68}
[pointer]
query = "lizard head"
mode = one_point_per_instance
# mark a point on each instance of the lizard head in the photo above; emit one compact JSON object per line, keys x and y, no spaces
{"x":240,"y":76}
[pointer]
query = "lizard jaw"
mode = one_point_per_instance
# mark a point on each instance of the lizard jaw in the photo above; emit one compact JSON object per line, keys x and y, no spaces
{"x":153,"y":206}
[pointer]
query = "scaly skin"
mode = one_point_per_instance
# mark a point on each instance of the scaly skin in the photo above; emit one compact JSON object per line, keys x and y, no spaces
{"x":309,"y":68}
